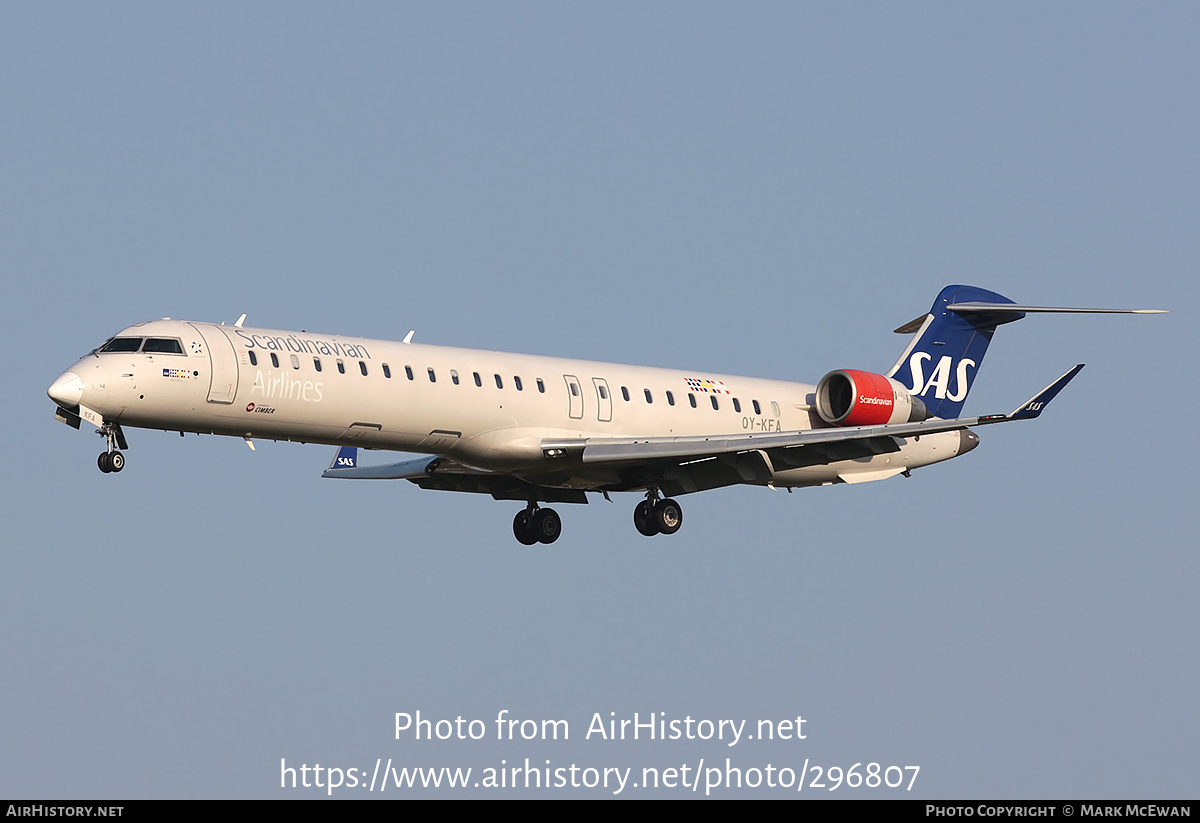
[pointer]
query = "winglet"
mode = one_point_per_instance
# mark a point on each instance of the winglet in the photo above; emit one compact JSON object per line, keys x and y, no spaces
{"x":1033,"y":407}
{"x":345,"y":466}
{"x":346,"y":458}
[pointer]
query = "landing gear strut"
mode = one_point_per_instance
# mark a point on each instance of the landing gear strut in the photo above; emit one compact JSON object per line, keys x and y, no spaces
{"x":112,"y":460}
{"x":536,"y":525}
{"x":654,"y":516}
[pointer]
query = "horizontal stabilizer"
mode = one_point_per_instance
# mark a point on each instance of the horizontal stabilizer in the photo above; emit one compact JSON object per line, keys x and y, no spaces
{"x":960,"y":308}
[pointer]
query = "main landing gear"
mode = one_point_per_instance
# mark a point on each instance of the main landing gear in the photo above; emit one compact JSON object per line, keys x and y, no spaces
{"x":112,"y":460}
{"x":654,"y":516}
{"x":537,"y":525}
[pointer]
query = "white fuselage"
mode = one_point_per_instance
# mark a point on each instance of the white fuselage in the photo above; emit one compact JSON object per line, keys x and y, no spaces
{"x":491,"y":410}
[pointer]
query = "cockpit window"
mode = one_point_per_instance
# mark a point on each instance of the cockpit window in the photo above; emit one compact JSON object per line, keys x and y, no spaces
{"x":162,"y":345}
{"x":122,"y":344}
{"x":153,"y":345}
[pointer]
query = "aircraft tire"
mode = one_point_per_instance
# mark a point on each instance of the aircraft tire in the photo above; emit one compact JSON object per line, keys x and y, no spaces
{"x":523,"y":529}
{"x":547,"y":525}
{"x":643,"y":519}
{"x":117,"y":461}
{"x":668,"y":516}
{"x":103,"y":462}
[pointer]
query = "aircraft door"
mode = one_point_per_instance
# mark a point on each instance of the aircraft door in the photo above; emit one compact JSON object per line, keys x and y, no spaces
{"x":575,"y":395}
{"x":223,"y":362}
{"x":603,"y":400}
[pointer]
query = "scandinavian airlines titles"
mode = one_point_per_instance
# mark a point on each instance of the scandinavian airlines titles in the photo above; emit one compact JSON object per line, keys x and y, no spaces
{"x":303,"y":345}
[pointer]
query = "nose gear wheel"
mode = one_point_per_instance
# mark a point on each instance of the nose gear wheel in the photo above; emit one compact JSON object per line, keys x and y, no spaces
{"x":112,"y":460}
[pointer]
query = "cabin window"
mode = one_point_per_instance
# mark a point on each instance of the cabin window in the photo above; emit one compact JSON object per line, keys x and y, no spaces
{"x":692,"y":400}
{"x":774,"y":408}
{"x":670,"y":399}
{"x":295,"y":362}
{"x":478,"y":381}
{"x":499,"y":382}
{"x":341,"y":367}
{"x":408,"y":372}
{"x":649,"y":399}
{"x":253,"y":359}
{"x":274,"y":360}
{"x":122,"y":344}
{"x":541,"y":386}
{"x":625,"y":393}
{"x":757,"y":410}
{"x":574,"y":389}
{"x":432,"y":376}
{"x":517,"y":383}
{"x":362,"y":367}
{"x":317,"y":363}
{"x":387,"y":371}
{"x":162,"y":345}
{"x":604,"y":392}
{"x":713,"y":398}
{"x":737,"y":407}
{"x":454,"y":377}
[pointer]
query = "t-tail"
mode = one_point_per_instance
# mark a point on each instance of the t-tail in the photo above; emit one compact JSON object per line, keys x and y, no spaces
{"x":945,"y":354}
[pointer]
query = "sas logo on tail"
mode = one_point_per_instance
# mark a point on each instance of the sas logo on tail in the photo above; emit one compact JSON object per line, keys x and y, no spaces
{"x":939,"y":380}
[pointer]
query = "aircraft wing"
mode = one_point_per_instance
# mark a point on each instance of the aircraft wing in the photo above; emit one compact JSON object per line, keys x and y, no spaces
{"x":678,"y":465}
{"x":430,"y":471}
{"x":783,"y":449}
{"x":345,"y":466}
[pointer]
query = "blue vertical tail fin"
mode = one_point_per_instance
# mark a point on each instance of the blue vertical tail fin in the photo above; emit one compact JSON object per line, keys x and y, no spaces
{"x":947,"y":349}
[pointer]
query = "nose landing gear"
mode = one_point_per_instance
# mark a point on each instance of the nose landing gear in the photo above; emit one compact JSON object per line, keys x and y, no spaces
{"x":112,"y":460}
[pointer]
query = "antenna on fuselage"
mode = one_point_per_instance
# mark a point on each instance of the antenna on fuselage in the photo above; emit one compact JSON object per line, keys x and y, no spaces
{"x":408,"y":337}
{"x":240,"y":321}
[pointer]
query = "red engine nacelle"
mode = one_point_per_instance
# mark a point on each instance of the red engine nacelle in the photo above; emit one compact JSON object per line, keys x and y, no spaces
{"x":848,"y":397}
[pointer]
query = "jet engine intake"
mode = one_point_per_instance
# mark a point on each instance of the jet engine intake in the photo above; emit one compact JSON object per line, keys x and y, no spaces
{"x":848,"y":397}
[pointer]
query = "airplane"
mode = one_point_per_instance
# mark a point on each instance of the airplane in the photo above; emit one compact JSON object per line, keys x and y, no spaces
{"x":549,"y":430}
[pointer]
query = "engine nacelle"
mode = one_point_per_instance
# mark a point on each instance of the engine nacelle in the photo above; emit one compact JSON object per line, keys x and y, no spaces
{"x":848,"y":397}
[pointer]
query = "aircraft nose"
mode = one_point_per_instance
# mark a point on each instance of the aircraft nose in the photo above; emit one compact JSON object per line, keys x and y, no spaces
{"x":967,"y":440}
{"x":67,"y":390}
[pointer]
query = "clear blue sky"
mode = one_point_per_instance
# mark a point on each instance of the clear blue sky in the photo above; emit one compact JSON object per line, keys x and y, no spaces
{"x":762,"y":189}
